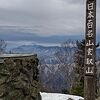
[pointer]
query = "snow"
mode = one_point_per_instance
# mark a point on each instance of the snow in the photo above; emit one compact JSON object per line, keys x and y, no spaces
{"x":14,"y":55}
{"x":57,"y":96}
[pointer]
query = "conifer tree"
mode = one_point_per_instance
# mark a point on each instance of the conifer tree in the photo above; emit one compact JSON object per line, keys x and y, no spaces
{"x":77,"y":88}
{"x":79,"y":69}
{"x":79,"y":60}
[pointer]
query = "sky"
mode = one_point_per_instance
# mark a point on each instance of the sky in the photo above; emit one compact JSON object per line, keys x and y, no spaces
{"x":46,"y":17}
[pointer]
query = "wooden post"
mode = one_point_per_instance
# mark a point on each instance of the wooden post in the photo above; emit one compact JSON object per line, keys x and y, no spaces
{"x":90,"y":51}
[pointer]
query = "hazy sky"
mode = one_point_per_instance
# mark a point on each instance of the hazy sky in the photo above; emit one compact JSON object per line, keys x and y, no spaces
{"x":46,"y":17}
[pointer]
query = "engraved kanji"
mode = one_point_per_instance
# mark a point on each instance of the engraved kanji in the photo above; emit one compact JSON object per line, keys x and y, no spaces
{"x":90,"y":14}
{"x":90,"y":43}
{"x":90,"y":6}
{"x":90,"y":33}
{"x":90,"y":24}
{"x":89,"y":70}
{"x":89,"y":61}
{"x":89,"y":51}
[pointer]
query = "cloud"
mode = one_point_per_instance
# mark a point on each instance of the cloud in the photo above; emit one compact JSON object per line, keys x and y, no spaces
{"x":46,"y":17}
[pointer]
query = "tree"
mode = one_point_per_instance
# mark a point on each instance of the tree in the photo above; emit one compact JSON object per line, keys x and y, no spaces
{"x":79,"y":60}
{"x":79,"y":68}
{"x":66,"y":62}
{"x":78,"y":86}
{"x":58,"y":74}
{"x":3,"y":45}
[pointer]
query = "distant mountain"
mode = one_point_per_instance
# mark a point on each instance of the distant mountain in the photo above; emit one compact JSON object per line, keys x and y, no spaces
{"x":56,"y":65}
{"x":40,"y":50}
{"x":44,"y":52}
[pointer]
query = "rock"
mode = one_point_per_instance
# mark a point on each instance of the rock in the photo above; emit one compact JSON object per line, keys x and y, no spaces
{"x":70,"y":99}
{"x":19,"y":78}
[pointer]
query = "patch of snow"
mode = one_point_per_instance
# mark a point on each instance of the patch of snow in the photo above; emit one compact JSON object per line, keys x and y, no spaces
{"x":14,"y":55}
{"x":58,"y":96}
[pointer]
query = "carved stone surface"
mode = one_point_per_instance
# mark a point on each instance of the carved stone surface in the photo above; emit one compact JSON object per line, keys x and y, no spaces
{"x":19,"y":77}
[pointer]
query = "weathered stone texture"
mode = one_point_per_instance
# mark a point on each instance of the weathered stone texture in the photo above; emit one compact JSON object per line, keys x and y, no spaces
{"x":19,"y":77}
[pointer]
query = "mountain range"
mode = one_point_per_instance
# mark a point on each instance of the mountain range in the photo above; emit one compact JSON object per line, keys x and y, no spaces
{"x":54,"y":65}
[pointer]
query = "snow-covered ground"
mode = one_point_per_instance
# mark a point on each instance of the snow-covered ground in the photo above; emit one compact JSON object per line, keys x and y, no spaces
{"x":56,"y":96}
